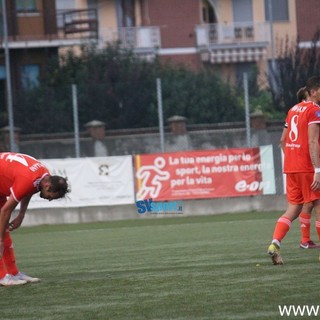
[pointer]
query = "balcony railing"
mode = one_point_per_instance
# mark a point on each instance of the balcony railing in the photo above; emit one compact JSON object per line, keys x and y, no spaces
{"x":242,"y":32}
{"x":142,"y":38}
{"x":77,"y":26}
{"x":79,"y":22}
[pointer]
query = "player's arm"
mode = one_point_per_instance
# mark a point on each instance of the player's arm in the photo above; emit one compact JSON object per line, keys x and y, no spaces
{"x":283,"y":138}
{"x":5,"y":214}
{"x":313,"y":139}
{"x":16,"y":223}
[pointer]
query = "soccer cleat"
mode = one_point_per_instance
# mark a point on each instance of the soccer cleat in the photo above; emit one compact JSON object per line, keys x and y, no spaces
{"x":274,"y":252}
{"x":10,"y":280}
{"x":24,"y":277}
{"x":309,"y":245}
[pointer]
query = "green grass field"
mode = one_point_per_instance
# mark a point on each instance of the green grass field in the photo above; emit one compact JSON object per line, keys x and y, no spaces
{"x":210,"y":267}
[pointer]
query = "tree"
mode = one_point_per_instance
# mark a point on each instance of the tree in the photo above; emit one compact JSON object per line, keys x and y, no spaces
{"x":113,"y":86}
{"x":292,"y":70}
{"x":259,"y":99}
{"x":119,"y":88}
{"x":200,"y":96}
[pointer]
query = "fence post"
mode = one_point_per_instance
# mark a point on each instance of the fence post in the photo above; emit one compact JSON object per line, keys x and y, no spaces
{"x":75,"y":120}
{"x":247,"y":108}
{"x":160,"y":113}
{"x":13,"y":146}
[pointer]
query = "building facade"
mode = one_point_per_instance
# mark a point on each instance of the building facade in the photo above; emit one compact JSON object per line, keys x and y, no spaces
{"x":33,"y":34}
{"x":308,"y":21}
{"x":229,"y":36}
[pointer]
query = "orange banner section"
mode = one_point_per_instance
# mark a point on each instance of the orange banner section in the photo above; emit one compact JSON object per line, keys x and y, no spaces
{"x":199,"y":174}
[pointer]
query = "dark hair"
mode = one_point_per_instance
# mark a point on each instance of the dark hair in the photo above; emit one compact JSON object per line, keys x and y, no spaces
{"x":301,"y":94}
{"x":313,"y":83}
{"x":59,"y":185}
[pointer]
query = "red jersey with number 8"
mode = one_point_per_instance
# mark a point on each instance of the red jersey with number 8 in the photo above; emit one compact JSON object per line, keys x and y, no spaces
{"x":20,"y":175}
{"x":296,"y":150}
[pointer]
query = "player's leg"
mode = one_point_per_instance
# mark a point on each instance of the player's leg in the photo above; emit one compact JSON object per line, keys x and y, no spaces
{"x":10,"y":262}
{"x":3,"y":270}
{"x":314,"y":197}
{"x":7,"y":279}
{"x":9,"y":256}
{"x":295,"y":202}
{"x":281,"y":229}
{"x":6,"y":276}
{"x":316,"y":204}
{"x":305,"y":222}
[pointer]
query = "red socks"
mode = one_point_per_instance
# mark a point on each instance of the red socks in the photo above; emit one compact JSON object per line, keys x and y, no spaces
{"x":282,"y":227}
{"x":8,"y":261}
{"x":305,"y":222}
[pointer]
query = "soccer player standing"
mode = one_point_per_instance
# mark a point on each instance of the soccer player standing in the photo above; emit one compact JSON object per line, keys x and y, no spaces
{"x":21,"y":176}
{"x":305,"y":215}
{"x":301,"y":164}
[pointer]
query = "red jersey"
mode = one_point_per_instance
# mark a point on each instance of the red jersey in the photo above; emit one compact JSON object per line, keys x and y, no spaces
{"x":20,"y":175}
{"x":296,"y":150}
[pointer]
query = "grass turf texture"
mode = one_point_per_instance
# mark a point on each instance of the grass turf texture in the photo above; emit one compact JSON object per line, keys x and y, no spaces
{"x":209,"y":267}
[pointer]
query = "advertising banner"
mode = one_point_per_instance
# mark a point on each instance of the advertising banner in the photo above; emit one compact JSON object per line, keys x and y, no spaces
{"x":205,"y":174}
{"x":93,"y":181}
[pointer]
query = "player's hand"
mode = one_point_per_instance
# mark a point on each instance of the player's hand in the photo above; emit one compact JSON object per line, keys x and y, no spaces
{"x":316,"y":182}
{"x":1,"y":248}
{"x":15,"y":223}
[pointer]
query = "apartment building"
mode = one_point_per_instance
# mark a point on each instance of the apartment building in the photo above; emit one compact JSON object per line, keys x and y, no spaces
{"x":229,"y":36}
{"x":308,"y":21}
{"x":27,"y":29}
{"x":35,"y":31}
{"x":244,"y":34}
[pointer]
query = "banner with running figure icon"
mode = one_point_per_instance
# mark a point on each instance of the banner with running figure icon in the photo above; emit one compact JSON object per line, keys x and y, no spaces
{"x":205,"y":174}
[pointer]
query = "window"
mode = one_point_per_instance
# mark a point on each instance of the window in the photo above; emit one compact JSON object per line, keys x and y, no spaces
{"x":30,"y":76}
{"x":242,"y":10}
{"x":92,"y":4}
{"x":279,"y":10}
{"x":65,"y":5}
{"x":62,"y":6}
{"x":2,"y":72}
{"x":26,"y":6}
{"x":208,"y":13}
{"x":125,"y":13}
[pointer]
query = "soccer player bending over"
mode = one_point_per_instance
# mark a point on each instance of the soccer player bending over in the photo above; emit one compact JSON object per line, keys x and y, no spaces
{"x":21,"y":176}
{"x":301,"y":164}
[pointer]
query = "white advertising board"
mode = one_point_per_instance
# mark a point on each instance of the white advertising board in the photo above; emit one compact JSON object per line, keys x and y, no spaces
{"x":95,"y":181}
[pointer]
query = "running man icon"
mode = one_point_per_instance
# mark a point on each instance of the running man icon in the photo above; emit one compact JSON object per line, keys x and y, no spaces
{"x":151,"y":177}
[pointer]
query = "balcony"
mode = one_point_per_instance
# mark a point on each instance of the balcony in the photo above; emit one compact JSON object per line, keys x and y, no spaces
{"x":75,"y":27}
{"x":232,"y":43}
{"x":79,"y":23}
{"x":142,"y":40}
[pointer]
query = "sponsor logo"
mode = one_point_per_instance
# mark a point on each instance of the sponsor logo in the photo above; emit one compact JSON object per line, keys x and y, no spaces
{"x":159,"y":207}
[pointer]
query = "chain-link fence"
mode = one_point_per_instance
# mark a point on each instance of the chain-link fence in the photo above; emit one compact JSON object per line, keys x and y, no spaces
{"x":127,"y":118}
